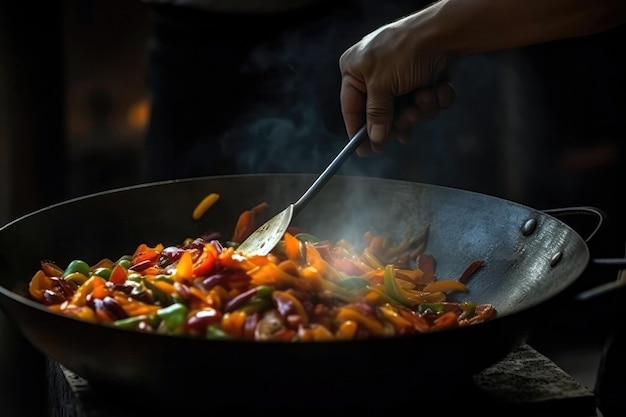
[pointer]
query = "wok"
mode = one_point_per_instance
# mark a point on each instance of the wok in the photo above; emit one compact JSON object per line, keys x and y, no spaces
{"x":531,"y":258}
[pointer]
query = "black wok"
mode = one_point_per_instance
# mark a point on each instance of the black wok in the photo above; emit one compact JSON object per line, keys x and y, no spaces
{"x":530,"y":258}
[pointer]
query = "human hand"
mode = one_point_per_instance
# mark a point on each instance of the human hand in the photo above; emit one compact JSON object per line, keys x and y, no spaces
{"x":391,"y":84}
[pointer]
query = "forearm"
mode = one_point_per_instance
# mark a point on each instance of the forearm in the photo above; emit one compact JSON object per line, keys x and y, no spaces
{"x":463,"y":27}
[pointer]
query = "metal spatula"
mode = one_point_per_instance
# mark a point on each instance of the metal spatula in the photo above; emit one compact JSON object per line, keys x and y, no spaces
{"x":266,"y":237}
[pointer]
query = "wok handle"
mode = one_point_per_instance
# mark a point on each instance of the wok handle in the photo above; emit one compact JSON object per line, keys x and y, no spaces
{"x":615,"y":289}
{"x":600,"y":216}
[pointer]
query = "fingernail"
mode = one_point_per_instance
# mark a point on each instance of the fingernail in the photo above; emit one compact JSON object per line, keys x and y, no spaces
{"x":378,"y":133}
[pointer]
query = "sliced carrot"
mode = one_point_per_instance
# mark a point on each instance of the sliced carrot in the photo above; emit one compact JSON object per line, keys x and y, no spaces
{"x":244,"y":226}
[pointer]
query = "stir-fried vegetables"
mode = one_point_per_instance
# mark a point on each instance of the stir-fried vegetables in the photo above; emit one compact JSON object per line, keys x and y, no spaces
{"x":305,"y":290}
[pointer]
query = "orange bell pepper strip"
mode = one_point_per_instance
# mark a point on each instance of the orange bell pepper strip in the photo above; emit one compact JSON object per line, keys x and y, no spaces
{"x":292,"y":247}
{"x":229,"y":259}
{"x":184,"y":268}
{"x":146,"y":253}
{"x":315,"y":259}
{"x":271,"y":274}
{"x":233,"y":323}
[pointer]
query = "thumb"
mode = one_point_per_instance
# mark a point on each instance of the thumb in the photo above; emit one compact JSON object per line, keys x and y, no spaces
{"x":379,"y":119}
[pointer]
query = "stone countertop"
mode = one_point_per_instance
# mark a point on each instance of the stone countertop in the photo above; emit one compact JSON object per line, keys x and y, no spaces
{"x":524,"y":383}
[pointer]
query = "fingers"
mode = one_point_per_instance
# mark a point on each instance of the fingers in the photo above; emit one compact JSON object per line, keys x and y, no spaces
{"x":353,"y":100}
{"x":379,"y":119}
{"x":424,"y":106}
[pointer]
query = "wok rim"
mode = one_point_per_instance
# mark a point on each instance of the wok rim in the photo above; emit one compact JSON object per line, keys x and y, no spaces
{"x":538,"y":301}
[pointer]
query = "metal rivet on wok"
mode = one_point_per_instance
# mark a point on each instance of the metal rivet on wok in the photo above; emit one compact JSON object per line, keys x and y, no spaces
{"x":556,"y":258}
{"x":529,"y":226}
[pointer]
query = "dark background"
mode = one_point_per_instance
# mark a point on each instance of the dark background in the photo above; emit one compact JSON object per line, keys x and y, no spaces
{"x":541,"y":125}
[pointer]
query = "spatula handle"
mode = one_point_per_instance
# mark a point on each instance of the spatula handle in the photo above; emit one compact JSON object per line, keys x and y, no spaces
{"x":330,"y":170}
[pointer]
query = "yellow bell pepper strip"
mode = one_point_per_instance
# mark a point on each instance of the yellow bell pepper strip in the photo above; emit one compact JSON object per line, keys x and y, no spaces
{"x":165,"y":286}
{"x":413,"y":275}
{"x":261,"y":291}
{"x":79,"y":312}
{"x":445,"y":285}
{"x":399,"y":322}
{"x":204,"y":205}
{"x":370,"y":259}
{"x":372,"y":325}
{"x":347,"y":330}
{"x":80,"y":295}
{"x":378,"y":294}
{"x":321,"y":333}
{"x":173,"y":316}
{"x":134,"y":307}
{"x":311,"y":279}
{"x":75,"y":279}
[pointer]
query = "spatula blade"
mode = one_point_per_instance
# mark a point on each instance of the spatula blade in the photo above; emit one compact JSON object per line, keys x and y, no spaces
{"x":266,"y":237}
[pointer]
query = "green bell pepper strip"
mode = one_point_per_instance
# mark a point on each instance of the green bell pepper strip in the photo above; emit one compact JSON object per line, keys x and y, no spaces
{"x":430,"y":307}
{"x":469,"y":310}
{"x":160,"y":297}
{"x":307,"y":237}
{"x":353,"y":283}
{"x":77,"y":266}
{"x":214,"y":332}
{"x":103,"y":272}
{"x":130,"y":323}
{"x":392,"y":288}
{"x":173,"y":316}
